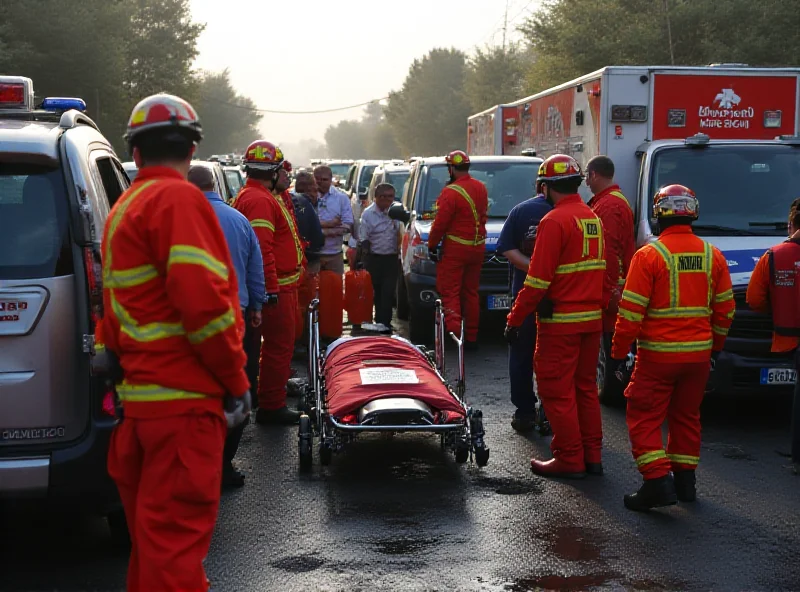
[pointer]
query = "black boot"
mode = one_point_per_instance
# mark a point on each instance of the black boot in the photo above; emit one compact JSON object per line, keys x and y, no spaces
{"x":685,"y":485}
{"x":594,"y":469}
{"x":282,"y":416}
{"x":231,"y":478}
{"x":523,"y":422}
{"x":654,"y":493}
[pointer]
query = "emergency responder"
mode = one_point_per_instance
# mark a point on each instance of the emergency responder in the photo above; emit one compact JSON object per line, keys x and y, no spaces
{"x":564,"y":286}
{"x":516,"y":243}
{"x":678,"y":305}
{"x":172,"y":319}
{"x":460,"y":222}
{"x":775,"y":288}
{"x":616,"y":214}
{"x":282,"y":250}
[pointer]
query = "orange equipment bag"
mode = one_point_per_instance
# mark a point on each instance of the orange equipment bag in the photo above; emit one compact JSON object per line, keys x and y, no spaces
{"x":358,"y":296}
{"x":331,"y":304}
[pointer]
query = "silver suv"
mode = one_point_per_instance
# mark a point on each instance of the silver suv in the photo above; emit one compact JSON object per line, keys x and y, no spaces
{"x":58,"y":179}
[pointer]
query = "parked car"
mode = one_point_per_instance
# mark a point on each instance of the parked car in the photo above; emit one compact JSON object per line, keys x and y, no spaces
{"x":235,"y":178}
{"x":394,"y":174}
{"x":221,"y":183}
{"x":509,"y":181}
{"x":59,"y":177}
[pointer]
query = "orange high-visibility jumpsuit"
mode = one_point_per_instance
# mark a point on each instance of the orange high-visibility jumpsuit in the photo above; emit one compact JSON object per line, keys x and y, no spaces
{"x":567,"y":268}
{"x":616,"y":214}
{"x":678,"y":305}
{"x":282,"y":250}
{"x":172,"y":317}
{"x":461,"y":212}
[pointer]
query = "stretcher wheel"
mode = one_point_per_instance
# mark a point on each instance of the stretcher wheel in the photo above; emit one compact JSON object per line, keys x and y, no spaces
{"x":325,"y":454}
{"x":305,"y":436}
{"x":482,"y":456}
{"x":462,"y":455}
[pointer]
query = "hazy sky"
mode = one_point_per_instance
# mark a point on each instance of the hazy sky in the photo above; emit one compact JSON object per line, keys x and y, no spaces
{"x":303,"y":55}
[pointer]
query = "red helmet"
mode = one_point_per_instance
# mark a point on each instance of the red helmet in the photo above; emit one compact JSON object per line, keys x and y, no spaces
{"x":263,"y":155}
{"x":164,"y":111}
{"x":456,"y":158}
{"x":559,"y":167}
{"x":675,"y":201}
{"x":287,"y":166}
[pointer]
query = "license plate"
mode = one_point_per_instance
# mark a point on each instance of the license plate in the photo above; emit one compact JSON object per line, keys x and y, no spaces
{"x":778,"y":376}
{"x":499,"y":302}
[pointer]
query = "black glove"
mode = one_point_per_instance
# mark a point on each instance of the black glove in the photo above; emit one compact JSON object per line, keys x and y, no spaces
{"x":237,"y":409}
{"x":714,"y":358}
{"x":545,"y":308}
{"x":272,"y":299}
{"x":433,"y":253}
{"x":511,"y":334}
{"x":398,"y":212}
{"x":623,"y":368}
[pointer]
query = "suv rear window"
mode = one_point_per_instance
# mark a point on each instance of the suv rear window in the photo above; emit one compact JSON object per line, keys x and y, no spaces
{"x":34,"y":238}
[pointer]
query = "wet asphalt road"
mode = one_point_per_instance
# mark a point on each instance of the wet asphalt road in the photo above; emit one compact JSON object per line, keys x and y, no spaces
{"x":399,"y":514}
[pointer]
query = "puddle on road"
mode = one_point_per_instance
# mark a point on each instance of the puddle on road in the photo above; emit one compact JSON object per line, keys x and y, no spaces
{"x":556,"y":582}
{"x":404,"y":545}
{"x":508,"y":485}
{"x":299,"y":563}
{"x":574,"y":543}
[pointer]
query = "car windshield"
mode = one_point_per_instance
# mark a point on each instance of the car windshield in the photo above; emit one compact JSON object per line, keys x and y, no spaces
{"x":398,"y":181}
{"x":234,"y":180}
{"x":339,"y":170}
{"x":366,"y":177}
{"x":507,"y":183}
{"x":34,"y":237}
{"x":741,"y":189}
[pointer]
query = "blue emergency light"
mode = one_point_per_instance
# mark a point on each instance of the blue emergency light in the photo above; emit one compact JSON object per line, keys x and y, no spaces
{"x":63,"y":104}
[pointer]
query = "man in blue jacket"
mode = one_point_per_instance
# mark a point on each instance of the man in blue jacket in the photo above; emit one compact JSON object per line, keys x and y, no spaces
{"x":516,"y":244}
{"x":249,"y":267}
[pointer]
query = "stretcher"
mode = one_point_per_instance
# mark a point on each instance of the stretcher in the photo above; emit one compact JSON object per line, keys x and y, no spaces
{"x":387,"y":385}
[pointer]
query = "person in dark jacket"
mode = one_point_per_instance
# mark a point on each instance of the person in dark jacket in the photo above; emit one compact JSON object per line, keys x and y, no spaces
{"x":304,"y":198}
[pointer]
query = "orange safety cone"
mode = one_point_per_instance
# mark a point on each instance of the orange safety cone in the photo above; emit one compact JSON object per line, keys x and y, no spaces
{"x":331,"y":304}
{"x":358,"y":296}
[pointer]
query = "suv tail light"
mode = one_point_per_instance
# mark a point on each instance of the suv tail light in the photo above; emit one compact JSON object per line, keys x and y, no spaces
{"x":94,"y":278}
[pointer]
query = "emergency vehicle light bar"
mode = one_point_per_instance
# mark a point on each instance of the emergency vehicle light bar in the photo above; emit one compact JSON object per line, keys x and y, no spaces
{"x":697,"y":140}
{"x":59,"y":104}
{"x":16,"y":92}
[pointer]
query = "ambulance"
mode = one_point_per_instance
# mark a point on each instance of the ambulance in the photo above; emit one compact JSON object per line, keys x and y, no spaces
{"x":728,"y":131}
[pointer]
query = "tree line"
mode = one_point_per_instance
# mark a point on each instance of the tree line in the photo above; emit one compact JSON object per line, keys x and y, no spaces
{"x":565,"y":39}
{"x":113,"y":53}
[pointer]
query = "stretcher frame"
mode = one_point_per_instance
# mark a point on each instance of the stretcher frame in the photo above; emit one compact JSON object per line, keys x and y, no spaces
{"x":465,"y":438}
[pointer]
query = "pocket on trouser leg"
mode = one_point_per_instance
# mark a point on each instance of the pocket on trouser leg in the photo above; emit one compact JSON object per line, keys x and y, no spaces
{"x":124,"y":457}
{"x":198,"y":462}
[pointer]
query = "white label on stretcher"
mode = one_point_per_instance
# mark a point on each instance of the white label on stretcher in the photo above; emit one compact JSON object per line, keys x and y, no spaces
{"x":388,"y":376}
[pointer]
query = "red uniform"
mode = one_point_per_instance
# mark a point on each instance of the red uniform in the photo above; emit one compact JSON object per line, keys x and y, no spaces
{"x":461,"y":222}
{"x":567,"y":268}
{"x":616,"y":214}
{"x":678,"y":304}
{"x":172,"y":317}
{"x":282,"y":250}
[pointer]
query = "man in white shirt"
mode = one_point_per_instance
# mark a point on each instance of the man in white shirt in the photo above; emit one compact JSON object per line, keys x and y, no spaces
{"x":378,"y":247}
{"x":335,"y":217}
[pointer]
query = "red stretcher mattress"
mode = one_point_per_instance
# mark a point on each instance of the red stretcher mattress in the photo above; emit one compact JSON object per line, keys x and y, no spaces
{"x":363,"y":369}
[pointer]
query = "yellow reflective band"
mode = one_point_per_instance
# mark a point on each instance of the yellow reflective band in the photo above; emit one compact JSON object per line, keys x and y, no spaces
{"x":128,"y":278}
{"x":573,"y":317}
{"x":190,"y":255}
{"x":99,"y":347}
{"x":592,"y":230}
{"x":533,"y":282}
{"x":684,"y":459}
{"x":290,"y":279}
{"x":676,"y":346}
{"x":723,"y":297}
{"x":680,"y":312}
{"x":114,"y":221}
{"x":216,"y":326}
{"x":731,"y":314}
{"x":719,"y":330}
{"x":674,"y":285}
{"x":261,"y":223}
{"x":463,"y":241}
{"x":629,"y":315}
{"x":589,"y":265}
{"x":621,"y":281}
{"x":143,"y":333}
{"x":622,"y":197}
{"x":292,"y":229}
{"x":635,"y":298}
{"x":153,"y":392}
{"x":479,"y":240}
{"x":648,"y":457}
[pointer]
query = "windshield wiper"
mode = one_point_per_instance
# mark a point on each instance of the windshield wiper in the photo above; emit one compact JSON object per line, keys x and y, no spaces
{"x":726,"y":230}
{"x":776,"y":225}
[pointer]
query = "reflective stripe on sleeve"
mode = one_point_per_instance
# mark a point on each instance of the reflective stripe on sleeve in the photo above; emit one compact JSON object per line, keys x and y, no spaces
{"x":143,"y":333}
{"x":218,"y":325}
{"x":720,"y":330}
{"x":128,"y":278}
{"x":190,"y":255}
{"x":629,"y":315}
{"x":261,"y":223}
{"x":534,"y":282}
{"x":684,"y":459}
{"x":635,"y":298}
{"x":573,"y":317}
{"x":676,"y":346}
{"x":723,"y":297}
{"x":649,"y":457}
{"x":153,"y":392}
{"x":589,"y":265}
